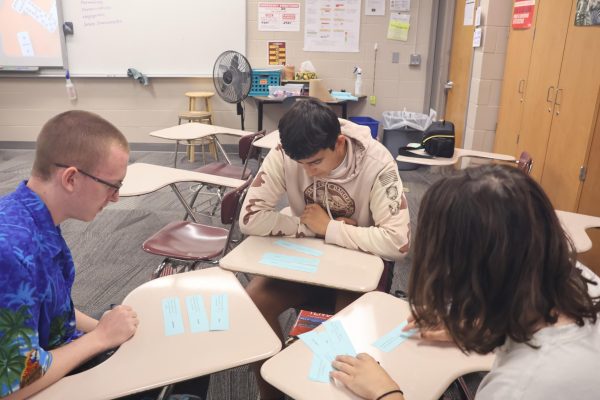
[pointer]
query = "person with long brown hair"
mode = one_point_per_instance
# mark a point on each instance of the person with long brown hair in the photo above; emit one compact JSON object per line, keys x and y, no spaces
{"x":493,"y":271}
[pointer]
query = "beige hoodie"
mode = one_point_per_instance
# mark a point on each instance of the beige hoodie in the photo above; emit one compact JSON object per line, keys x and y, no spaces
{"x":368,"y":190}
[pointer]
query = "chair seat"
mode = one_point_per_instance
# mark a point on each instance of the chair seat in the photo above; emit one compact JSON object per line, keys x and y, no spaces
{"x":195,"y":114}
{"x":222,"y":168}
{"x":186,"y":240}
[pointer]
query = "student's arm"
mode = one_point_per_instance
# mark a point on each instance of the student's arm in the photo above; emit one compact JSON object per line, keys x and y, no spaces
{"x":84,"y":322}
{"x":258,"y":215}
{"x":389,"y":235}
{"x":114,"y":328}
{"x":365,"y":377}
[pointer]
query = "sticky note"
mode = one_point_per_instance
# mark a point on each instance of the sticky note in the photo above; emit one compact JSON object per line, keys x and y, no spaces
{"x":219,"y":312}
{"x":292,"y":259}
{"x":197,"y":314}
{"x":297,"y":247}
{"x":172,"y":317}
{"x":394,"y":338}
{"x":319,"y":369}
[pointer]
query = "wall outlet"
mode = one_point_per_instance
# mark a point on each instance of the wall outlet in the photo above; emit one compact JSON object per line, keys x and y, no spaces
{"x":415,"y":59}
{"x":395,"y":57}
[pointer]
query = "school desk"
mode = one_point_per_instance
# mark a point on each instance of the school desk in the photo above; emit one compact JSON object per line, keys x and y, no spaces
{"x":423,"y":369}
{"x":151,"y":359}
{"x":196,"y":131}
{"x":575,"y":225}
{"x":338,"y":267}
{"x":145,"y":178}
{"x":269,"y":141}
{"x":458,"y":153}
{"x":262,"y":100}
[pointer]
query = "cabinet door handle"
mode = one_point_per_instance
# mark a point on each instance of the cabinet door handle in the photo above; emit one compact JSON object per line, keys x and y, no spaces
{"x":557,"y":101}
{"x":521,"y":88}
{"x":548,"y":99}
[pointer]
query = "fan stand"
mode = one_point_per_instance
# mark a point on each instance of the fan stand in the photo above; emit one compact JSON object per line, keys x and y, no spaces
{"x":240,"y":112}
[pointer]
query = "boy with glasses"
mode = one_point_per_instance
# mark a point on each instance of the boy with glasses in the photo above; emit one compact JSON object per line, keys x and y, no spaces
{"x":80,"y":162}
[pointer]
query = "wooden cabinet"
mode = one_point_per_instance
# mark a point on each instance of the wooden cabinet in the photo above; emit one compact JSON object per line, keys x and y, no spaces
{"x":550,"y":99}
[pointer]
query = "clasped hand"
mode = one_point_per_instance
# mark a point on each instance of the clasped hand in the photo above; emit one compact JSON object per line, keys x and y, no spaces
{"x":316,"y":218}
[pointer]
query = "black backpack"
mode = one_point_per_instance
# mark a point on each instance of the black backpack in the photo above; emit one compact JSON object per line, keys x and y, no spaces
{"x":438,"y":141}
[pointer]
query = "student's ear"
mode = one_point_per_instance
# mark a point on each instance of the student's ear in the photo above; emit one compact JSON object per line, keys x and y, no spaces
{"x":68,"y":178}
{"x":341,"y":139}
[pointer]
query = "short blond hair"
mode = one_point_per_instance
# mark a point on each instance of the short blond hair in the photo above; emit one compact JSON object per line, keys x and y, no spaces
{"x":76,"y":138}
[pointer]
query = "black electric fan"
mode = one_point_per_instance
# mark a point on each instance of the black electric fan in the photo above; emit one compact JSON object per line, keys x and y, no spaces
{"x":232,"y":76}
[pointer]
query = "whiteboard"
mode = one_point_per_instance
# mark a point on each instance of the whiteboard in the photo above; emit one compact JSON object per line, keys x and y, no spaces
{"x":30,"y":34}
{"x":168,"y":38}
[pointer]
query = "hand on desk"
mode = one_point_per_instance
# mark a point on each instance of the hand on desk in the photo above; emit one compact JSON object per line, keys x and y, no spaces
{"x":364,"y":376}
{"x":116,"y":326}
{"x":440,"y":335}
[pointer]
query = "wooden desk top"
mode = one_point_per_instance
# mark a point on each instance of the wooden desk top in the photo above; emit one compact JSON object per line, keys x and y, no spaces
{"x":267,"y":99}
{"x":458,"y":153}
{"x":195,"y":130}
{"x":144,"y":178}
{"x":575,"y":225}
{"x":338,"y":267}
{"x":150,"y":359}
{"x":422,"y":369}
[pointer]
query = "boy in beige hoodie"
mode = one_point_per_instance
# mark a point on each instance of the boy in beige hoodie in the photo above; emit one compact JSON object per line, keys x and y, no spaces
{"x":341,"y":185}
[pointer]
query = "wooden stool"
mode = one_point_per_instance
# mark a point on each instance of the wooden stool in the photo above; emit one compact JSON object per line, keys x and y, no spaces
{"x":199,"y":116}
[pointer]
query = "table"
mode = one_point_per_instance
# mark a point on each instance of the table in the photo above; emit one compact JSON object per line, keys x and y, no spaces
{"x":262,"y":100}
{"x":575,"y":225}
{"x":150,"y":359}
{"x":458,"y":153}
{"x":142,"y":178}
{"x":422,"y":369}
{"x":195,"y":131}
{"x":339,"y":267}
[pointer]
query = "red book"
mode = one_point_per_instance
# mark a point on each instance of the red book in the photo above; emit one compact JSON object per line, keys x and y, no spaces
{"x":307,"y":321}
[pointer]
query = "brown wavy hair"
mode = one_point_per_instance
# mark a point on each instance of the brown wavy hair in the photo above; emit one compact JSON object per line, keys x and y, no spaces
{"x":492,"y":261}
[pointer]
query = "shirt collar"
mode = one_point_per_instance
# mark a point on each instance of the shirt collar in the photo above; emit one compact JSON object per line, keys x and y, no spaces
{"x":41,"y":216}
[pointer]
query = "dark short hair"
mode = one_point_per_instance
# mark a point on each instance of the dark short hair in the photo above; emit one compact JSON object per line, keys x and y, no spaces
{"x":492,"y":261}
{"x":76,"y":138}
{"x":308,"y":127}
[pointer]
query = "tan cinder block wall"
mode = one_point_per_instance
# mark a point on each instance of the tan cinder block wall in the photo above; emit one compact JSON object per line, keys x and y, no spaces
{"x":26,"y":103}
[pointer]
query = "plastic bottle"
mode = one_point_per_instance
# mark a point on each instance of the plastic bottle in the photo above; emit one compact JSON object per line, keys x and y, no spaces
{"x":71,"y":92}
{"x":358,"y":82}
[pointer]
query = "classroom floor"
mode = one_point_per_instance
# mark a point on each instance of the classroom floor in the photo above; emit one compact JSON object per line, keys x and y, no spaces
{"x":110,"y":262}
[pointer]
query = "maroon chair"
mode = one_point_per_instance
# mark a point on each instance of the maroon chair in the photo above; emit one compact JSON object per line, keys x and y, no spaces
{"x":246,"y":152}
{"x":525,"y":162}
{"x":191,"y":241}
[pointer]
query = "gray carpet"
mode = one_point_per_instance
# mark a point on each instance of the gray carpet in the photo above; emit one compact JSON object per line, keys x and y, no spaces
{"x":110,"y":262}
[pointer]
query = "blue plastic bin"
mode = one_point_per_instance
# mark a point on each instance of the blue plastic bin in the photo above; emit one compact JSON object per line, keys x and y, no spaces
{"x":367,"y":121}
{"x":262,"y":78}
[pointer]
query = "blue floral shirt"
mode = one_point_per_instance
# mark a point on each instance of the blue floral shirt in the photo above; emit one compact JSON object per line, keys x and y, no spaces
{"x":36,"y":276}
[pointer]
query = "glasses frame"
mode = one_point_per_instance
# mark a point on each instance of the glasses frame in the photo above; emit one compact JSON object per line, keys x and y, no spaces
{"x":115,"y":187}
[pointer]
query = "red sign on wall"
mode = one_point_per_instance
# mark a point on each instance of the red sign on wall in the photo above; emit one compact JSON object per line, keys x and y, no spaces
{"x":523,"y":14}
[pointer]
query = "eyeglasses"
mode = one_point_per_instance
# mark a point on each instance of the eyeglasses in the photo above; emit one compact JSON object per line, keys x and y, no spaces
{"x":115,"y":186}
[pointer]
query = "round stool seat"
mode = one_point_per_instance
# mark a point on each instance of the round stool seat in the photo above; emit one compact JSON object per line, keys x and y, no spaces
{"x":199,"y":94}
{"x":195,"y":114}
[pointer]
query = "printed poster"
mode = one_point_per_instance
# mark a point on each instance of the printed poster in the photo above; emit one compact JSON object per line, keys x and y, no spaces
{"x":332,"y":26}
{"x":523,"y":14}
{"x":277,"y":55}
{"x":279,"y":17}
{"x":374,"y":7}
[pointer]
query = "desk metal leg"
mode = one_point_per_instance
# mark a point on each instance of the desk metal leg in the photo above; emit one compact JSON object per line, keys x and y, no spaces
{"x":260,"y":115}
{"x":344,"y":110}
{"x":183,"y":202}
{"x":176,"y":151}
{"x":220,"y":146}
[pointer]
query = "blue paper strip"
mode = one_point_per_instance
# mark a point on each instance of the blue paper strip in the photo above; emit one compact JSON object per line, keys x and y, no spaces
{"x":219,"y":312}
{"x":292,"y":259}
{"x":394,"y":338}
{"x":297,"y":247}
{"x":340,"y":339}
{"x":172,"y":317}
{"x":320,"y":343}
{"x":282,"y":264}
{"x":319,"y":369}
{"x":197,"y":314}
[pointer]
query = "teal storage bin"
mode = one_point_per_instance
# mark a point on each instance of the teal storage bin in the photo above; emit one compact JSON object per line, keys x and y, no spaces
{"x":367,"y":121}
